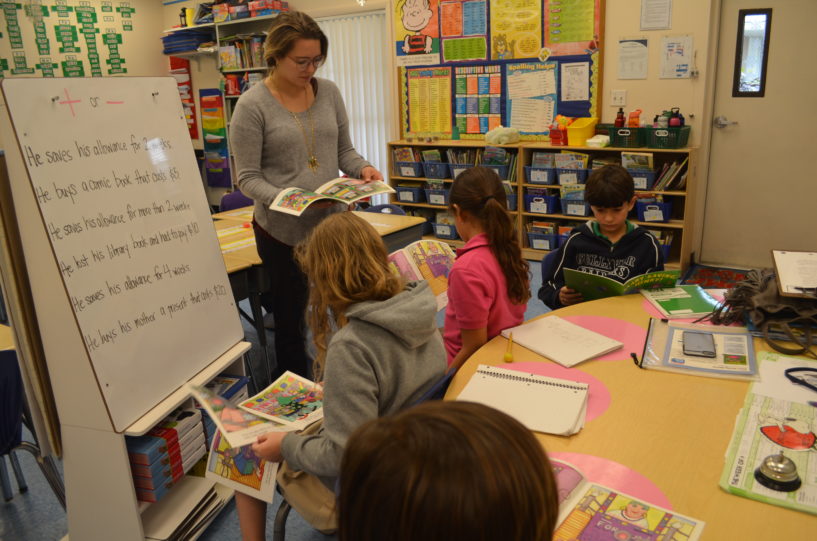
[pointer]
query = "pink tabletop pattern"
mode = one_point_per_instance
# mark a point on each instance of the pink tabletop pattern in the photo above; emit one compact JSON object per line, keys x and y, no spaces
{"x":616,"y":476}
{"x":598,"y":399}
{"x":630,"y":334}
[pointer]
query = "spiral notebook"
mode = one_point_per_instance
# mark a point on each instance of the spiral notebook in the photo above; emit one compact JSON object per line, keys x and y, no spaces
{"x":543,"y":404}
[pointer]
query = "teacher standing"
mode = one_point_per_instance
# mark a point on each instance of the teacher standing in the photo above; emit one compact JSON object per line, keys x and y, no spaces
{"x":291,"y":131}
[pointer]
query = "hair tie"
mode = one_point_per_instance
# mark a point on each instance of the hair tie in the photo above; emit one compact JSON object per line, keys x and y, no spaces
{"x":486,"y":199}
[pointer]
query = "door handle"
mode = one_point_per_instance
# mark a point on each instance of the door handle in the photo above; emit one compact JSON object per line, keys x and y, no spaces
{"x":722,"y":122}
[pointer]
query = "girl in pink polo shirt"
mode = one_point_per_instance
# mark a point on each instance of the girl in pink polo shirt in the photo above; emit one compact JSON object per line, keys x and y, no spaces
{"x":488,"y":287}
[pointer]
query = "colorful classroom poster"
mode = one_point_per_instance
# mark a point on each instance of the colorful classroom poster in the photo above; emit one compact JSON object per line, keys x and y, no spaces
{"x":530,"y":102}
{"x":216,"y":155}
{"x":417,"y":32}
{"x":464,"y":30}
{"x":477,"y":98}
{"x":516,"y":29}
{"x":676,"y":57}
{"x":429,"y":100}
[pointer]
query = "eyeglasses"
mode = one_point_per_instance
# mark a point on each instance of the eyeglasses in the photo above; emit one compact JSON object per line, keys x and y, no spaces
{"x":303,"y":63}
{"x":807,"y":377}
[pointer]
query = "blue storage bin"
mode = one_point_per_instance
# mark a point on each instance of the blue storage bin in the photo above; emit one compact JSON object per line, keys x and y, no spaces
{"x":456,"y":169}
{"x":643,"y":180}
{"x":435,"y":169}
{"x":408,"y":169}
{"x":501,"y":170}
{"x":571,"y":176}
{"x":437,"y":197}
{"x":654,"y":212}
{"x":575,"y":207}
{"x":543,"y":241}
{"x":541,"y":204}
{"x":445,"y":231}
{"x":511,"y":201}
{"x":409,"y":195}
{"x":540,"y":175}
{"x":563,"y":238}
{"x":666,"y":249}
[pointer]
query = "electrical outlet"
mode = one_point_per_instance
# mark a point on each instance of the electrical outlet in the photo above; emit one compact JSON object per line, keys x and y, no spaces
{"x":618,"y":98}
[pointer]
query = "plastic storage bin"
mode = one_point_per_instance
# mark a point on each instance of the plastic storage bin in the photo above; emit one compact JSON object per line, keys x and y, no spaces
{"x":575,"y":207}
{"x":501,"y":170}
{"x":408,"y":169}
{"x":437,"y":197}
{"x":581,"y":130}
{"x":541,"y":204}
{"x":445,"y":231}
{"x":540,"y":175}
{"x":407,"y":194}
{"x":666,"y":249}
{"x":511,"y":197}
{"x":675,"y":137}
{"x":571,"y":176}
{"x":543,"y":241}
{"x":627,"y":137}
{"x":435,"y":169}
{"x":654,"y":212}
{"x":642,"y":179}
{"x":456,"y":169}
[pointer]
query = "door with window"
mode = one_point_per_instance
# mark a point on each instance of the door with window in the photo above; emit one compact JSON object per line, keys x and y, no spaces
{"x":762,"y":187}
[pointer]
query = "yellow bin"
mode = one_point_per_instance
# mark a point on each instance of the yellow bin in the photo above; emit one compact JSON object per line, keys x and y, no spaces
{"x":581,"y":130}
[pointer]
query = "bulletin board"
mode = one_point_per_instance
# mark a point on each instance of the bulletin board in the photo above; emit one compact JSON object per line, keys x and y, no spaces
{"x":467,"y":66}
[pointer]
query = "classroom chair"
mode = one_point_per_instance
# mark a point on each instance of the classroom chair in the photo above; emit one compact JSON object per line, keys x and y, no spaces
{"x":547,"y":263}
{"x":435,"y":392}
{"x":386,"y":209}
{"x":234,"y":200}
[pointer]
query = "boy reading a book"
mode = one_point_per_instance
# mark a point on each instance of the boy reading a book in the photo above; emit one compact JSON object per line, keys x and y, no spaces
{"x":608,"y":245}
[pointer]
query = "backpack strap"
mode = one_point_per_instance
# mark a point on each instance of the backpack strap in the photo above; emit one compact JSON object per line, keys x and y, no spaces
{"x":803,"y":341}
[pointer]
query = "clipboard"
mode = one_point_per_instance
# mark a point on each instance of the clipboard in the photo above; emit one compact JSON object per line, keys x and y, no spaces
{"x":796,"y":273}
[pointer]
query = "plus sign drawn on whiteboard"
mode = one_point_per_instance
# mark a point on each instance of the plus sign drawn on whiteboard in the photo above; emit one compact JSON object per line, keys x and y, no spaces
{"x":69,"y":102}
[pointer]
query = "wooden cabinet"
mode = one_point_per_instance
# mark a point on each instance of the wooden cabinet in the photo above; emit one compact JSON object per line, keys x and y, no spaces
{"x":678,"y":227}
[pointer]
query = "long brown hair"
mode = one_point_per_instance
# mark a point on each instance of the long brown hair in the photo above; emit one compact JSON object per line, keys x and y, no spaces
{"x":479,"y":192}
{"x":446,"y":471}
{"x":345,"y":262}
{"x":285,"y":30}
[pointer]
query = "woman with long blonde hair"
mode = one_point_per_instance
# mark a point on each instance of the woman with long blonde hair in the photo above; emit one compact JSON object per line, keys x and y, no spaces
{"x":378,"y":351}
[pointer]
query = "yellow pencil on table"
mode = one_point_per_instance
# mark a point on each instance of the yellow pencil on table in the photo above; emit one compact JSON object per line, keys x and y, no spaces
{"x":508,"y":358}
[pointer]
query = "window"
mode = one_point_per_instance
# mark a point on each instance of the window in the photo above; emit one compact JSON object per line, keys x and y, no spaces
{"x":751,"y":53}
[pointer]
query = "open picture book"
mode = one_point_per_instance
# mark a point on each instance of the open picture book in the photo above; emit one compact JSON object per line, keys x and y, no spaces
{"x":241,"y":469}
{"x":342,"y":190}
{"x":594,"y":287}
{"x":591,"y":511}
{"x":429,"y":260}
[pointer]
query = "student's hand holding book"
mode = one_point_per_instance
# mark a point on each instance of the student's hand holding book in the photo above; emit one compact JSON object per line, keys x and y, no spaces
{"x":569,"y":296}
{"x":268,"y":446}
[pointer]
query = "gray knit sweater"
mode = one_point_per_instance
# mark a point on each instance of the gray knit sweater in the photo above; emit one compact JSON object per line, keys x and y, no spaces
{"x":271,"y":154}
{"x":381,"y":361}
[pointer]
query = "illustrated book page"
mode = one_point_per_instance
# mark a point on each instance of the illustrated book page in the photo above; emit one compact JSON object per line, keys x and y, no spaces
{"x":594,"y":287}
{"x":428,"y":260}
{"x":343,"y":190}
{"x":241,"y":469}
{"x":290,"y":400}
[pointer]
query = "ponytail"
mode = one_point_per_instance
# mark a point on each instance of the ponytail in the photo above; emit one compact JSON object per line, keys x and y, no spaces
{"x":479,"y":192}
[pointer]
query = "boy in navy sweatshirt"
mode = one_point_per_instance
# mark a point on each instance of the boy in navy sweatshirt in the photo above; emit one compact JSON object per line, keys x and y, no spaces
{"x":609,"y":245}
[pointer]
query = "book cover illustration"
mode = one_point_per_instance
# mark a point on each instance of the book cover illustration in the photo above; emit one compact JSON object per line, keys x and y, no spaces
{"x":592,"y":286}
{"x":290,"y":400}
{"x":239,"y":427}
{"x":426,"y":260}
{"x":241,"y":469}
{"x":766,"y":426}
{"x":343,"y":190}
{"x":682,"y":301}
{"x":593,"y":512}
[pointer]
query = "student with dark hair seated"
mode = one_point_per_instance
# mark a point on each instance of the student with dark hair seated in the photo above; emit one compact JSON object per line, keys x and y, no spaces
{"x":608,"y":245}
{"x":446,"y":471}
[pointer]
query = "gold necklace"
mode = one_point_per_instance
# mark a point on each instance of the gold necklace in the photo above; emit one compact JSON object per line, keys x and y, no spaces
{"x":312,"y":161}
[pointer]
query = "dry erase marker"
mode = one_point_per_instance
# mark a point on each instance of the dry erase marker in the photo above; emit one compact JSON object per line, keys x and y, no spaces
{"x":508,"y":357}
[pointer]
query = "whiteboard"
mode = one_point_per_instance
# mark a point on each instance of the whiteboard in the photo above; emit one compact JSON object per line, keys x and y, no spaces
{"x":121,"y":199}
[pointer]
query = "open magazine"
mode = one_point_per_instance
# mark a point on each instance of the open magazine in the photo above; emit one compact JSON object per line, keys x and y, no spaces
{"x":241,"y":469}
{"x":290,"y":400}
{"x":591,"y":511}
{"x":593,"y":287}
{"x":343,"y":190}
{"x":239,"y":427}
{"x":428,"y":260}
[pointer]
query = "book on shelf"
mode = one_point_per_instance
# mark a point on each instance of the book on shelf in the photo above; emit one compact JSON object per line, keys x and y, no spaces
{"x":343,"y":190}
{"x":429,"y":260}
{"x":495,"y":156}
{"x":545,"y":228}
{"x":593,"y":286}
{"x":571,"y":160}
{"x":734,"y":353}
{"x":667,"y":178}
{"x":561,"y":341}
{"x":571,"y":191}
{"x":229,"y":57}
{"x":431,"y":155}
{"x":404,"y":154}
{"x":642,"y":161}
{"x":685,"y":301}
{"x":542,"y":404}
{"x":592,"y":511}
{"x":542,"y":159}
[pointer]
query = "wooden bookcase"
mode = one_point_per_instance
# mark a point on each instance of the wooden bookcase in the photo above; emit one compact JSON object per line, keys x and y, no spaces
{"x":680,"y":224}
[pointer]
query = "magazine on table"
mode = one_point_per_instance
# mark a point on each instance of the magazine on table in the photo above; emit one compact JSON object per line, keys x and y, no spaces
{"x":342,"y":190}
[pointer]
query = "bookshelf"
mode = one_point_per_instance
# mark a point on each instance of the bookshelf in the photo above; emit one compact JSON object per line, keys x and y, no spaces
{"x":679,"y":226}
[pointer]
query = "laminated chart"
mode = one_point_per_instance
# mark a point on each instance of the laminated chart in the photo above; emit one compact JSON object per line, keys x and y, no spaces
{"x":516,"y":29}
{"x":429,"y":100}
{"x":531,"y":96}
{"x":572,"y":27}
{"x":478,"y":98}
{"x":464,"y":30}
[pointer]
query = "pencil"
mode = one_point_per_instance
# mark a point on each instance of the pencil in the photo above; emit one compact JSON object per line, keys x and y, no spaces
{"x":508,"y":358}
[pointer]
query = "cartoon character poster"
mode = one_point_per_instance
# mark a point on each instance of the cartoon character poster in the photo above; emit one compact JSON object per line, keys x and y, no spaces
{"x":516,"y":29}
{"x":417,"y":32}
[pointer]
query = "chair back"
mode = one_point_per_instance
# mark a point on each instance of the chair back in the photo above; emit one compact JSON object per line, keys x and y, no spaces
{"x":234,"y":200}
{"x":436,"y":391}
{"x":386,"y":209}
{"x":11,"y":402}
{"x":547,"y":264}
